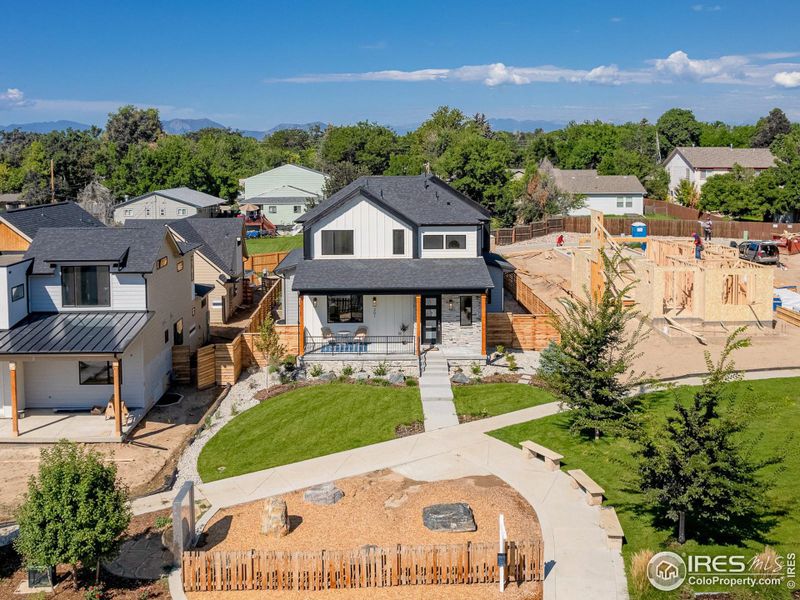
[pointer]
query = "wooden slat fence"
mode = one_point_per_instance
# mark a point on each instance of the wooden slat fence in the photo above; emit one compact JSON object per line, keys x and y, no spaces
{"x":524,"y":295}
{"x":521,"y":233}
{"x":370,"y":567}
{"x":525,"y":332}
{"x":228,"y":361}
{"x":657,"y":227}
{"x":181,"y":364}
{"x":265,"y":260}
{"x":206,"y":367}
{"x":264,"y":308}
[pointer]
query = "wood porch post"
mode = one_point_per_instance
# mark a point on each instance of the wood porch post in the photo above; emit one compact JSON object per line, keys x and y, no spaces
{"x":12,"y":368}
{"x":419,"y":324}
{"x":483,"y":323}
{"x":117,"y":398}
{"x":301,"y":333}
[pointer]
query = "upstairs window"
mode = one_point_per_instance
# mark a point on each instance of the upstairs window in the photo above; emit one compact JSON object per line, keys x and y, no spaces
{"x":273,"y":210}
{"x":18,"y":292}
{"x":162,"y":262}
{"x":179,"y":266}
{"x":398,"y":241}
{"x":128,"y":212}
{"x":346,"y":309}
{"x":456,"y":242}
{"x":85,"y":286}
{"x":337,"y":242}
{"x":297,"y":209}
{"x":432,"y":242}
{"x":182,"y":212}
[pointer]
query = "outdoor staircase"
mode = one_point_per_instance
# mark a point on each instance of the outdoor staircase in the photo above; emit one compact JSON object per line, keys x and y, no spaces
{"x":436,"y":393}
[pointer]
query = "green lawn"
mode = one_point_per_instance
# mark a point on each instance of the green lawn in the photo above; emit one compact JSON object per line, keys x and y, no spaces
{"x":492,"y":399}
{"x":282,"y":243}
{"x":306,"y":423}
{"x":774,"y":416}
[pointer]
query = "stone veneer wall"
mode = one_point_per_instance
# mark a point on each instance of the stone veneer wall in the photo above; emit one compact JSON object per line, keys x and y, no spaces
{"x":465,"y":339}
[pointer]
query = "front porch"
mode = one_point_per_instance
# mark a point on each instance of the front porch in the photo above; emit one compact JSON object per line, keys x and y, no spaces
{"x":44,"y":426}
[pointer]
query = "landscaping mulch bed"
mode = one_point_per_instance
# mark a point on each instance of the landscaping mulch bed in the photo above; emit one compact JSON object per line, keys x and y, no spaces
{"x":12,"y":574}
{"x":410,"y":429}
{"x":470,"y":418}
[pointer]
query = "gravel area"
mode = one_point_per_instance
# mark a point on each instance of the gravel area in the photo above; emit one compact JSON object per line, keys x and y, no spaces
{"x":240,"y":398}
{"x":527,"y":361}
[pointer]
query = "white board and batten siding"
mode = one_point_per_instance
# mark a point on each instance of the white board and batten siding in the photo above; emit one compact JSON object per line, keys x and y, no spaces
{"x":372,"y":228}
{"x":385,"y":318}
{"x":470,"y":251}
{"x":127,"y":293}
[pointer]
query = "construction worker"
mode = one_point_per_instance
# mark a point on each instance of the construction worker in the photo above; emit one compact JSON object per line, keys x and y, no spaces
{"x":698,"y":246}
{"x":707,"y":225}
{"x":560,"y":240}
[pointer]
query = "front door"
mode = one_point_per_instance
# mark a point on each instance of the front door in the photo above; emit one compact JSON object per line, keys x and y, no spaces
{"x":431,"y":320}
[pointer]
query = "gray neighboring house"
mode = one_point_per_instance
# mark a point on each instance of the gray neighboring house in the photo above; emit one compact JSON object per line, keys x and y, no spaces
{"x":173,"y":203}
{"x":90,"y":315}
{"x":392,"y":266}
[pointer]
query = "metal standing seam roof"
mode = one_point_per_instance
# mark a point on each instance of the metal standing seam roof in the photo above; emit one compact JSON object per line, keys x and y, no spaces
{"x":392,"y":274}
{"x":73,"y":333}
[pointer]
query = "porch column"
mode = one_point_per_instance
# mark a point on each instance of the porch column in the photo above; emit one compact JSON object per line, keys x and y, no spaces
{"x":117,"y":398}
{"x":301,"y":333}
{"x":419,"y":324}
{"x":12,"y":369}
{"x":483,"y":324}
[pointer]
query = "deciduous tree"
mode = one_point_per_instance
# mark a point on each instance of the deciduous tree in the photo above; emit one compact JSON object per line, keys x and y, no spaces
{"x":677,"y":127}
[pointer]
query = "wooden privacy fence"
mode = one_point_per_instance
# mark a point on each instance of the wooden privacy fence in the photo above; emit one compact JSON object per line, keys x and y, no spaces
{"x":524,"y":295}
{"x":181,"y":364}
{"x":684,"y":228}
{"x":266,"y":260}
{"x":206,"y":367}
{"x":520,"y":233}
{"x":264,"y":307}
{"x":525,"y":332}
{"x":369,"y":567}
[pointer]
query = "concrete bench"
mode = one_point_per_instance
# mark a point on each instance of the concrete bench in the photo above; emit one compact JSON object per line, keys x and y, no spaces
{"x":552,"y":460}
{"x":594,"y":493}
{"x":610,"y":522}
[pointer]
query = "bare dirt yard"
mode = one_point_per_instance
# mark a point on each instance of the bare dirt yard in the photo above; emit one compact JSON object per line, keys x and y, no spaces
{"x":384,"y":509}
{"x":145,"y":462}
{"x":547,"y":271}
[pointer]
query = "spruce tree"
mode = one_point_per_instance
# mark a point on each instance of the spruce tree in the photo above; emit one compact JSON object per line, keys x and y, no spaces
{"x":590,"y":369}
{"x":696,"y":471}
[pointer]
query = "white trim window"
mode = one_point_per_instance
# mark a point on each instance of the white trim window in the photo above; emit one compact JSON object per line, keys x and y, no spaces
{"x":128,"y":212}
{"x":182,"y":212}
{"x":620,"y":202}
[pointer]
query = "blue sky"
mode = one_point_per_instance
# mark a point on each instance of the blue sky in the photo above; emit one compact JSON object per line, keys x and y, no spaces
{"x":256,"y":64}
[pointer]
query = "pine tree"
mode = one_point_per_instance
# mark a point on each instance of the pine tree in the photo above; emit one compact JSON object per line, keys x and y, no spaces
{"x":589,"y":370}
{"x":695,"y":471}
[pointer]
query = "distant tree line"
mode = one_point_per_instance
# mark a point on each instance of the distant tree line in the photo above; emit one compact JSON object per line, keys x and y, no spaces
{"x":132,"y":155}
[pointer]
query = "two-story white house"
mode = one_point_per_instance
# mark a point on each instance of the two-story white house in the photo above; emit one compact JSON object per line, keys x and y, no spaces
{"x":88,"y":317}
{"x":697,"y":164}
{"x":283,"y":192}
{"x":174,"y":203}
{"x":390,"y":267}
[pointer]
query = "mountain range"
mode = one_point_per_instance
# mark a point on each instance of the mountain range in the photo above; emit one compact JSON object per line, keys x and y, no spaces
{"x":183,"y":126}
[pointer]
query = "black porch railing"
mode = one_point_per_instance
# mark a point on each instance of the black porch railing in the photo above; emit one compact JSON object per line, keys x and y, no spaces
{"x":371,"y":344}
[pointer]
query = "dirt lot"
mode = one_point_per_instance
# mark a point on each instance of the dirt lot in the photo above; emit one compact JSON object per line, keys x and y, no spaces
{"x":145,"y":462}
{"x":362,"y":517}
{"x":547,"y":271}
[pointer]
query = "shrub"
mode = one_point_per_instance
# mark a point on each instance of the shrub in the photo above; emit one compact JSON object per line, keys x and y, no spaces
{"x":289,"y":362}
{"x":347,"y":370}
{"x":512,"y":362}
{"x":501,"y":350}
{"x":412,"y":382}
{"x":638,"y":571}
{"x":315,"y":370}
{"x":380,"y":381}
{"x":94,"y":593}
{"x":74,"y":511}
{"x":162,"y":521}
{"x":476,"y":369}
{"x":382,"y":369}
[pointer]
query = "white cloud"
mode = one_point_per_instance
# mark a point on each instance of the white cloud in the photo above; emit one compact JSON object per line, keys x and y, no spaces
{"x":787,"y":79}
{"x":13,"y":98}
{"x":680,"y":65}
{"x":706,"y":7}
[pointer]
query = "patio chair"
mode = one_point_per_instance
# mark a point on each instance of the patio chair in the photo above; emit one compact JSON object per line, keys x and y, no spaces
{"x":327,"y":334}
{"x":360,"y":335}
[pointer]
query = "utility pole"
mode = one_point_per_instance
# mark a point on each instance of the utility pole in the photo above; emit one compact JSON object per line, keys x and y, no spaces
{"x":52,"y":181}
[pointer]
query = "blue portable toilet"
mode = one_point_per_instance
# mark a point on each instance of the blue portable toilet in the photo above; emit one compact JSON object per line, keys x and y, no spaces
{"x":639,"y":229}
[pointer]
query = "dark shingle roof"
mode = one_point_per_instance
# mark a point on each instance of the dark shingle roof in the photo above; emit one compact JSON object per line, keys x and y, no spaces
{"x":201,"y":289}
{"x":134,"y":249}
{"x":290,"y":260}
{"x":63,"y":214}
{"x":216,"y":240}
{"x":181,"y":194}
{"x":496,"y":260}
{"x":391,"y":274}
{"x":420,"y":199}
{"x":73,"y":333}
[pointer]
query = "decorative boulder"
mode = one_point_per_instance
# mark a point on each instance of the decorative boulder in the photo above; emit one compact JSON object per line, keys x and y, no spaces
{"x":299,"y":375}
{"x":396,"y":378}
{"x":275,"y":518}
{"x":327,"y":376}
{"x":459,"y":378}
{"x":361,"y":376}
{"x":454,"y":518}
{"x":324,"y":494}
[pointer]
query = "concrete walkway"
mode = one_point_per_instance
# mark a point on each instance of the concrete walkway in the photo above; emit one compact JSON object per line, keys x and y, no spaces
{"x":436,"y":393}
